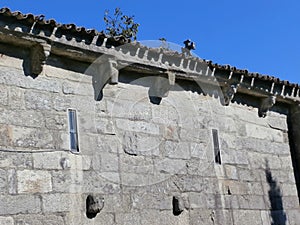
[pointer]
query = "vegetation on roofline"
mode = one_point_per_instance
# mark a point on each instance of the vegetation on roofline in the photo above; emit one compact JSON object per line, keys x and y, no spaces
{"x":120,"y":25}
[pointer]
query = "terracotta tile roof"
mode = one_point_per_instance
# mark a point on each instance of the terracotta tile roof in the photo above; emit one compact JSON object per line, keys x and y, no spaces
{"x":40,"y":19}
{"x":251,"y":75}
{"x":70,"y":28}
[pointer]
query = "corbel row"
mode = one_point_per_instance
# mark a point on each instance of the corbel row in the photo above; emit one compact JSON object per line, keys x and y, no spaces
{"x":107,"y":71}
{"x":161,"y":85}
{"x":266,"y":103}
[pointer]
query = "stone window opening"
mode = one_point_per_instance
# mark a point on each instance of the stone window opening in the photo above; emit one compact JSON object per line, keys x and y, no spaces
{"x":217,"y":151}
{"x":73,"y":130}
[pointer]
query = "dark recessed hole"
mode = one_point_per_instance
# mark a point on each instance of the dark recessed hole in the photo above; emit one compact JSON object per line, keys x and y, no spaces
{"x":155,"y":100}
{"x":228,"y":190}
{"x":93,"y":206}
{"x":176,"y":206}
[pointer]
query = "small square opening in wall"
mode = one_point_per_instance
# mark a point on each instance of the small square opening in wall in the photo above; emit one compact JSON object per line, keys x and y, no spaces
{"x":217,"y":151}
{"x":73,"y":130}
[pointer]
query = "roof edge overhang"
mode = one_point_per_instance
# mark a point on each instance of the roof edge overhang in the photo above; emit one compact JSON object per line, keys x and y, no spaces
{"x":85,"y":45}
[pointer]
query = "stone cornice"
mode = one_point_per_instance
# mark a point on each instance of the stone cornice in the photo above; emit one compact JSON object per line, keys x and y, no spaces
{"x":47,"y":37}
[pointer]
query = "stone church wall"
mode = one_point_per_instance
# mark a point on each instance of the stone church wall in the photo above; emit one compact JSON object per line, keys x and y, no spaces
{"x":141,"y":163}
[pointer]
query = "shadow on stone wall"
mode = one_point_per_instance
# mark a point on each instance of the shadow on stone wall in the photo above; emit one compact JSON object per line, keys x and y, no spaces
{"x":278,"y":215}
{"x":293,"y":134}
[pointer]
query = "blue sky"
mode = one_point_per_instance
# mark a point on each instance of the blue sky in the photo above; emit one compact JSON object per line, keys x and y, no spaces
{"x":259,"y":35}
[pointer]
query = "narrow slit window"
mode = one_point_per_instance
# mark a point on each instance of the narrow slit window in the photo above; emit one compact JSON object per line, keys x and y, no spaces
{"x":216,"y":146}
{"x":73,"y":130}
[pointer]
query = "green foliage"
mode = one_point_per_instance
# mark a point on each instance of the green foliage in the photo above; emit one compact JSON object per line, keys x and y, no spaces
{"x":120,"y":24}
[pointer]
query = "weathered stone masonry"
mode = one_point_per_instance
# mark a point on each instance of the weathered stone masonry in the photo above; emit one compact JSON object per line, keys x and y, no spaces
{"x":150,"y":125}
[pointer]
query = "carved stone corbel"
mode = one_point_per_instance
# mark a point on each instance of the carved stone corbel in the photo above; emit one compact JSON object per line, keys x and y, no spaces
{"x":161,"y":87}
{"x":39,"y":53}
{"x":266,"y":105}
{"x":171,"y":78}
{"x":108,"y":70}
{"x":112,"y":71}
{"x":103,"y":71}
{"x":228,"y":93}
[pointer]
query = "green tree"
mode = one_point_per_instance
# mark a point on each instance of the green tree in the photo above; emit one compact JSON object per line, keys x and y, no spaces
{"x":120,"y":25}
